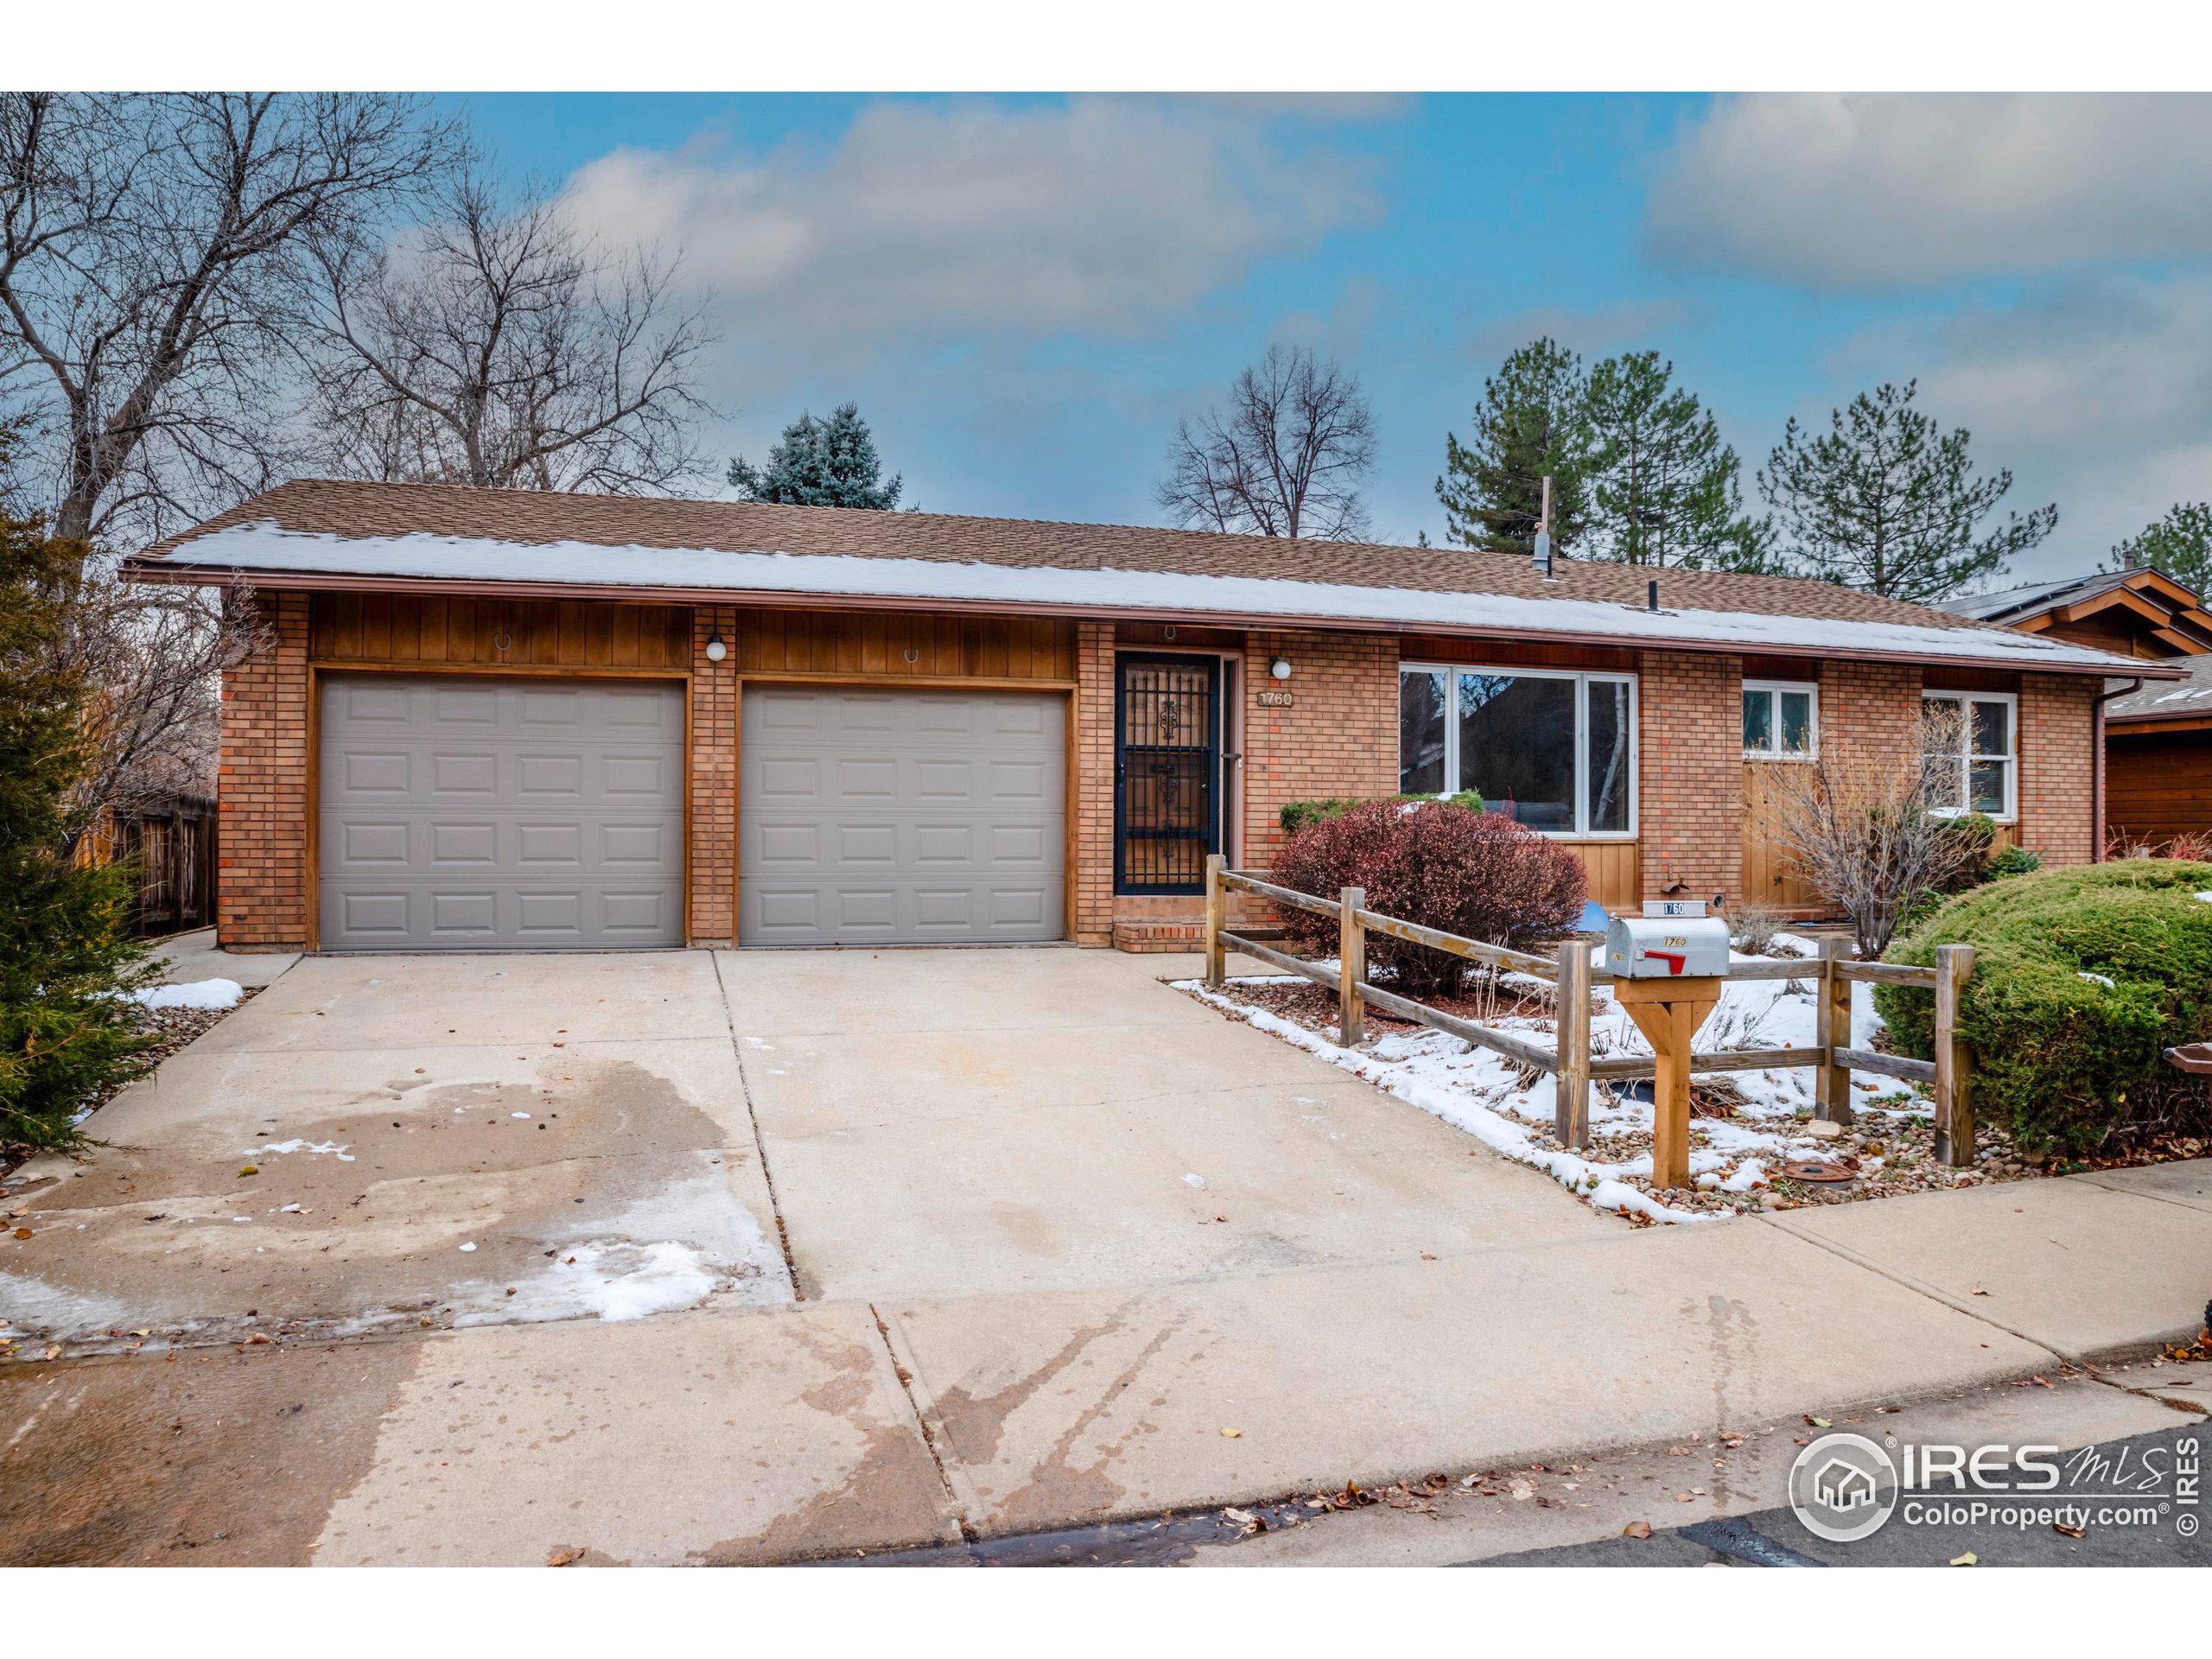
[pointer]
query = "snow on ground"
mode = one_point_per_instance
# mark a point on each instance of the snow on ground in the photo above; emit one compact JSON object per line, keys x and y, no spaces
{"x":212,"y":994}
{"x":1478,"y":1091}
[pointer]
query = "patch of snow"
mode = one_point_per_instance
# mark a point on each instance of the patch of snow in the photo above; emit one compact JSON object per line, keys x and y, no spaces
{"x":1477,"y":1090}
{"x":466,"y":1248}
{"x":209,"y":994}
{"x":52,"y":1310}
{"x":755,"y":1042}
{"x":2204,"y":898}
{"x":1194,"y":1181}
{"x":693,"y":1239}
{"x":265,"y":545}
{"x":2097,"y":979}
{"x":284,"y":1148}
{"x":519,"y":1114}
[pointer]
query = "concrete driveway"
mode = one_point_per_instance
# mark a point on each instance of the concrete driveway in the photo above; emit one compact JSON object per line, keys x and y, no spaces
{"x":932,"y":1243}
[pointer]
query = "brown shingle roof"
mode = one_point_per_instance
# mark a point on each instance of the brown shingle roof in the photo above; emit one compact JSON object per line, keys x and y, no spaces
{"x":362,"y":510}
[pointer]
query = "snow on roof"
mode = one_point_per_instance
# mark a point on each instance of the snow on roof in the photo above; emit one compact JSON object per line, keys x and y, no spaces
{"x":2190,"y":697}
{"x":263,"y":546}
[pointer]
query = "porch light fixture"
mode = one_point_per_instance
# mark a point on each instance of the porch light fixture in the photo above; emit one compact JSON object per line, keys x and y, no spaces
{"x":716,"y":650}
{"x":1280,"y":668}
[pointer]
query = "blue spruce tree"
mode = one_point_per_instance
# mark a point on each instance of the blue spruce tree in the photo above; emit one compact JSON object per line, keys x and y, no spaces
{"x":830,"y":463}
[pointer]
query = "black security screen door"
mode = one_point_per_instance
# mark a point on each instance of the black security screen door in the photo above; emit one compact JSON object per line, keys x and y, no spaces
{"x":1166,"y":772}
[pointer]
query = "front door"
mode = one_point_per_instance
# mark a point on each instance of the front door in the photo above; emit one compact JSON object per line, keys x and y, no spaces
{"x":1166,"y":772}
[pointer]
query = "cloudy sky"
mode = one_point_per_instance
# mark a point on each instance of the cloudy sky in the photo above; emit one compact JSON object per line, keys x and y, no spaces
{"x":1023,"y":294}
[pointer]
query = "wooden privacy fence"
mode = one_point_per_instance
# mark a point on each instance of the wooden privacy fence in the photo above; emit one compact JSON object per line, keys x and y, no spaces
{"x":1573,"y":975}
{"x":174,"y":846}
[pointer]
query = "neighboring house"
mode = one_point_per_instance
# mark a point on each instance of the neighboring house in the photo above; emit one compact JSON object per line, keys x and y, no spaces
{"x":513,"y":719}
{"x":2158,"y":744}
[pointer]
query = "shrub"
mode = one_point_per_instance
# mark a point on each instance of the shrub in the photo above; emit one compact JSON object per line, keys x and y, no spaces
{"x":1752,"y":927}
{"x":1297,"y":815}
{"x":66,"y":1036}
{"x":2082,"y":978}
{"x":1440,"y":865}
{"x":2011,"y":860}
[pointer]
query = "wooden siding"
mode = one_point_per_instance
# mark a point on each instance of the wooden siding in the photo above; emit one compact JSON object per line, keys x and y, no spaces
{"x":847,"y":644}
{"x":466,"y":632}
{"x":1615,"y":869}
{"x":2158,"y":785}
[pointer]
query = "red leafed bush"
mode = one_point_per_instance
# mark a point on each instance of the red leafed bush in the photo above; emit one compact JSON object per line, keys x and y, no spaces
{"x":1474,"y":874}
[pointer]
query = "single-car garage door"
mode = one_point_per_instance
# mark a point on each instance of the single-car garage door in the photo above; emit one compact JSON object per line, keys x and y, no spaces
{"x":878,"y":817}
{"x":493,"y":812}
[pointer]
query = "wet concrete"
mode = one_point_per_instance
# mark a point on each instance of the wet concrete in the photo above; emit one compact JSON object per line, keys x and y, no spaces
{"x":257,"y":1183}
{"x":215,"y":1458}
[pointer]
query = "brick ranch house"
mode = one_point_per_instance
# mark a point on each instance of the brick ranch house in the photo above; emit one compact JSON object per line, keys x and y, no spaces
{"x":507,"y":720}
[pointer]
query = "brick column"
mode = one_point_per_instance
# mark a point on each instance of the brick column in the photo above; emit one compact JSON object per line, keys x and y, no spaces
{"x":713,"y":779}
{"x":261,"y":898}
{"x":2056,"y":745}
{"x":1093,"y":839}
{"x":1690,"y":784}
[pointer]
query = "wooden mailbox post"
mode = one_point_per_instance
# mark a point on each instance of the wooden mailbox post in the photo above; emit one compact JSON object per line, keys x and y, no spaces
{"x":1668,"y":1012}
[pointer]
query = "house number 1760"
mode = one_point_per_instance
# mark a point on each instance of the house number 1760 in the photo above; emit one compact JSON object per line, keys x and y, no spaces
{"x":1276,"y":699}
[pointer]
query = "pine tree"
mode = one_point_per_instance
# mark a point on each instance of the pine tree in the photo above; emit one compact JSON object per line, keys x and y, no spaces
{"x":830,"y":463}
{"x":1887,"y":502}
{"x":66,"y":950}
{"x":1529,"y":425}
{"x":1664,"y":489}
{"x":2178,"y":545}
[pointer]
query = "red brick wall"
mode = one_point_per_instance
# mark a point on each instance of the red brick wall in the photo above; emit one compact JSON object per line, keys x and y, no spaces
{"x":261,"y":881}
{"x":1869,"y":711}
{"x":1338,"y":738}
{"x":2057,"y":785}
{"x":1690,"y":782}
{"x":1093,"y":921}
{"x":713,"y":779}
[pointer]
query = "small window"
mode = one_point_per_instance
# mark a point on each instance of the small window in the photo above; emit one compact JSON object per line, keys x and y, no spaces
{"x":1555,"y":751}
{"x":1971,"y":762}
{"x":1781,"y":720}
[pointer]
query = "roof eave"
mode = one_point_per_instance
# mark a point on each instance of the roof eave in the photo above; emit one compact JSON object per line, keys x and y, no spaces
{"x":157,"y":569}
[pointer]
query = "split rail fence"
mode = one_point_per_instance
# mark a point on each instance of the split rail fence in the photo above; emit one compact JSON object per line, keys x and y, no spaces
{"x":1573,"y":976}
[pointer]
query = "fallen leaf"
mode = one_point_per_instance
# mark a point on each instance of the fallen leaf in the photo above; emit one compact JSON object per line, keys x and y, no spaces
{"x":1968,"y":1559}
{"x":1636,"y":1529}
{"x":563,"y":1555}
{"x":1977,"y":1291}
{"x":251,"y":1169}
{"x":22,"y":1232}
{"x":2071,"y":1532}
{"x":1232,"y":1433}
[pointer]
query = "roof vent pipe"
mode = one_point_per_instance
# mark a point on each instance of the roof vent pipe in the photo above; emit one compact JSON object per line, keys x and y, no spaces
{"x":1651,"y":594}
{"x":1544,"y":534}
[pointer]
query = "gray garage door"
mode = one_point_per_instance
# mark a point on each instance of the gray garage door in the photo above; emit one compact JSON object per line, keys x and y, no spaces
{"x":478,"y":813}
{"x":870,"y":817}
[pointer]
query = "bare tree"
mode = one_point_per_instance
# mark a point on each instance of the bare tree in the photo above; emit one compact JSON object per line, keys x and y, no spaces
{"x":498,"y":345}
{"x":1869,"y":832}
{"x":152,"y":265}
{"x":1286,"y":456}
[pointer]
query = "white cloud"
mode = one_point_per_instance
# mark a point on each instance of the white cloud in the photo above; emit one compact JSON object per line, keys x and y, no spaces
{"x":1842,"y":192}
{"x":930,"y":222}
{"x":2097,"y":394}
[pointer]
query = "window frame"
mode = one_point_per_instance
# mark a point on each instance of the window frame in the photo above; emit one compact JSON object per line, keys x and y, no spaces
{"x":1773,"y":689}
{"x":1582,"y":679}
{"x":2011,"y":757}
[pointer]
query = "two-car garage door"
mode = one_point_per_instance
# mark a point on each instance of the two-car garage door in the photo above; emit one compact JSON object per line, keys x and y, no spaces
{"x":499,"y":812}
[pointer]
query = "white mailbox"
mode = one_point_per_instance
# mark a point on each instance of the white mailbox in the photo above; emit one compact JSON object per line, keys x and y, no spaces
{"x":1666,"y":947}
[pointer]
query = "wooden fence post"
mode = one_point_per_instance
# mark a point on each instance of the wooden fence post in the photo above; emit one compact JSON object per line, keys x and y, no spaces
{"x":1832,"y":1031}
{"x":1352,"y":968}
{"x":1216,"y":915}
{"x":1571,"y":1083}
{"x":1954,"y":1060}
